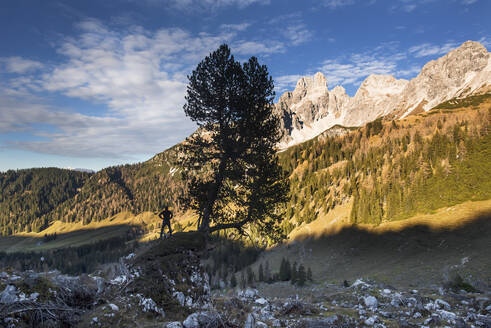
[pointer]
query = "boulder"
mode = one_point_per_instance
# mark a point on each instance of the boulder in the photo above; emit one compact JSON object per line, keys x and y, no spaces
{"x":9,"y":295}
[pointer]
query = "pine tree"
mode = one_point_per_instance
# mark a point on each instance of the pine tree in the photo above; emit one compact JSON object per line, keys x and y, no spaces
{"x":260,"y":274}
{"x":250,"y":276}
{"x":243,"y":282}
{"x":309,"y":274}
{"x":288,"y":270}
{"x":302,"y":276}
{"x":267,"y":272}
{"x":231,"y":162}
{"x":233,"y":281}
{"x":294,"y":274}
{"x":283,"y":274}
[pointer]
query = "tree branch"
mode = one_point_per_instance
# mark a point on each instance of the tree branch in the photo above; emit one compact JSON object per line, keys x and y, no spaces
{"x":233,"y":225}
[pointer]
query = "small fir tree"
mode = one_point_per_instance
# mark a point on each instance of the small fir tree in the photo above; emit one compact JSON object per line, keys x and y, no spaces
{"x":260,"y":273}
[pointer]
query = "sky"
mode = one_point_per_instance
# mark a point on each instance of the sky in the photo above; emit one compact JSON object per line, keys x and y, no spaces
{"x":90,"y":84}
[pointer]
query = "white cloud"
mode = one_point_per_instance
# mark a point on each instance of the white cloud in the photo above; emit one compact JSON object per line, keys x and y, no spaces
{"x":333,"y":4}
{"x":485,"y":42}
{"x":355,"y":69}
{"x":468,"y":2}
{"x":409,"y":72}
{"x":135,"y":79}
{"x":409,"y":5}
{"x":235,"y":27}
{"x":20,"y":65}
{"x":243,"y":47}
{"x":208,"y":4}
{"x":285,"y":82}
{"x":351,"y":70}
{"x":428,"y":49}
{"x":297,"y":34}
{"x":139,"y":76}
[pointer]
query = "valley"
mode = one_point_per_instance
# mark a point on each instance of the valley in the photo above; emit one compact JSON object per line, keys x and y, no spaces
{"x":389,"y":199}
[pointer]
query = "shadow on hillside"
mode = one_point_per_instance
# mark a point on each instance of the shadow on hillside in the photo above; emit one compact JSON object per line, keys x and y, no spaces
{"x":419,"y":235}
{"x":75,"y":252}
{"x":68,"y":239}
{"x":416,"y":255}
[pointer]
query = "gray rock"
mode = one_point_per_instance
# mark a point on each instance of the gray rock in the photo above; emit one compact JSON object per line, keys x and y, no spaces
{"x":180,"y":297}
{"x":370,"y":302}
{"x":442,"y":304}
{"x":250,"y":321}
{"x":191,"y":321}
{"x":460,"y":323}
{"x":331,"y":320}
{"x":175,"y":324}
{"x":9,"y":295}
{"x":202,"y":319}
{"x":371,"y":321}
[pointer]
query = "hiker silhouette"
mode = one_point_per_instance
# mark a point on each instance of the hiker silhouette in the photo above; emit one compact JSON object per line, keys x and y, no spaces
{"x":166,"y":216}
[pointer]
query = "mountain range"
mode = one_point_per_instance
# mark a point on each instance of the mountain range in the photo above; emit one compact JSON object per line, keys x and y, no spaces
{"x":397,"y":147}
{"x":312,"y":108}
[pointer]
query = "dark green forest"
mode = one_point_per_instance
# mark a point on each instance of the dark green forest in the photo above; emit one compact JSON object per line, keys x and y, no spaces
{"x":26,"y":196}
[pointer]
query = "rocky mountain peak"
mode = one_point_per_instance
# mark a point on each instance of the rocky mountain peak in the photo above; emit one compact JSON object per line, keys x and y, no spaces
{"x":318,"y":81}
{"x":462,"y":72}
{"x":311,"y":108}
{"x":380,"y":85}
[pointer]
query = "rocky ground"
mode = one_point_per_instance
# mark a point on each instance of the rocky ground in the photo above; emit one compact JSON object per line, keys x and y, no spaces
{"x":165,"y":286}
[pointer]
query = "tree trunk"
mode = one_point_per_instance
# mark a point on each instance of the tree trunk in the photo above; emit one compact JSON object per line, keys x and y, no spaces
{"x":212,"y":196}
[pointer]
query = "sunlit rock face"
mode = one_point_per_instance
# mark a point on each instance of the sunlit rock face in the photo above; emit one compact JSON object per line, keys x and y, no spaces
{"x":312,"y":108}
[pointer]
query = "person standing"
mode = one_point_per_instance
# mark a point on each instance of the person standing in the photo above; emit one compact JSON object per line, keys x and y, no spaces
{"x":166,"y":216}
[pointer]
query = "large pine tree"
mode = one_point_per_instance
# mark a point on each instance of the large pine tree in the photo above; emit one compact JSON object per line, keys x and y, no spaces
{"x":230,"y":162}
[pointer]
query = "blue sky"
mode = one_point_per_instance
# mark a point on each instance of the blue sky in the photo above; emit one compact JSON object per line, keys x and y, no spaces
{"x":97,"y":83}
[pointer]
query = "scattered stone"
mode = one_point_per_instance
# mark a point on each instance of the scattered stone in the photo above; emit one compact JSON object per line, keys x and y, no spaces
{"x":248,"y":293}
{"x":9,"y":295}
{"x":180,"y":297}
{"x":250,"y":321}
{"x":371,"y":321}
{"x":113,"y":307}
{"x":371,"y":302}
{"x":442,"y":304}
{"x":202,"y":319}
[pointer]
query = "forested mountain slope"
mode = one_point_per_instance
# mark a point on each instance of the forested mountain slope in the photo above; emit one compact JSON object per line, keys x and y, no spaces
{"x":391,"y":170}
{"x":33,"y":199}
{"x":27,"y":195}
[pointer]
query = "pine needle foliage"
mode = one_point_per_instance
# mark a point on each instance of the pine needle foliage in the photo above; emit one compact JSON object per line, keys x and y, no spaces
{"x":230,"y":164}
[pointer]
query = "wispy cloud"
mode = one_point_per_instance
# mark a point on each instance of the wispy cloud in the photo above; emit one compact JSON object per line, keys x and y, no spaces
{"x":350,"y":70}
{"x":135,"y":77}
{"x":355,"y":68}
{"x":285,"y":82}
{"x":333,"y":4}
{"x":19,"y":65}
{"x":193,"y":5}
{"x":409,"y":5}
{"x":297,"y":34}
{"x":428,"y":49}
{"x":485,"y":42}
{"x":244,"y":47}
{"x":235,"y":27}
